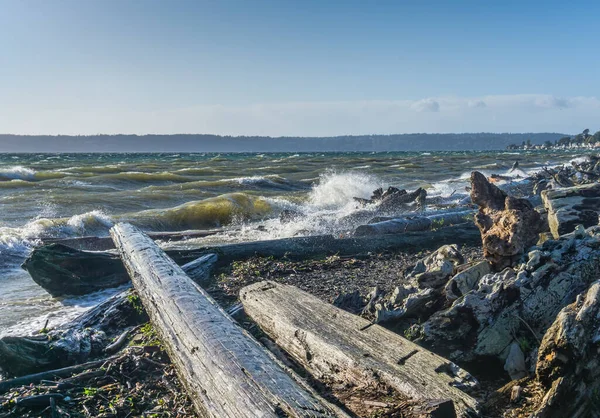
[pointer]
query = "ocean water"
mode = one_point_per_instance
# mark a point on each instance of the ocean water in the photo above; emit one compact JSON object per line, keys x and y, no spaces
{"x":69,"y":195}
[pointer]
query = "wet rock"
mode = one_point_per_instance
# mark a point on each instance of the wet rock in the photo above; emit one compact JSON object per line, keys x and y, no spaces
{"x":62,"y":270}
{"x":287,"y":216}
{"x":508,"y":225}
{"x":569,"y":207}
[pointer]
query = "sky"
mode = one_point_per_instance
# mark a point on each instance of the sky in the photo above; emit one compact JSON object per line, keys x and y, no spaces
{"x":298,"y":68}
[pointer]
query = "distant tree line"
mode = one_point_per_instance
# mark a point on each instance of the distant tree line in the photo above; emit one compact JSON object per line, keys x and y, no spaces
{"x":216,"y":143}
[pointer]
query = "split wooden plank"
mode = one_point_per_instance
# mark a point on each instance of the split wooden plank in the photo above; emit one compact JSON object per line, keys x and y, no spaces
{"x":336,"y":345}
{"x":227,"y":373}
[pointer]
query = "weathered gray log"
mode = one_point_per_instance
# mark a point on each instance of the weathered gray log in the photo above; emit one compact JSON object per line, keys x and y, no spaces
{"x":568,"y":365}
{"x":88,"y":335}
{"x":92,"y":243}
{"x":62,"y":270}
{"x":572,"y":206}
{"x":415,"y":223}
{"x":338,"y":346}
{"x":225,"y":370}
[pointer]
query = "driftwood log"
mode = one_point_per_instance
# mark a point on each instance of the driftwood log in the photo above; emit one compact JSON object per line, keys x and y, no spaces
{"x":508,"y":225}
{"x":338,"y":346}
{"x":227,"y":373}
{"x":62,"y":270}
{"x":88,"y":335}
{"x":415,"y":223}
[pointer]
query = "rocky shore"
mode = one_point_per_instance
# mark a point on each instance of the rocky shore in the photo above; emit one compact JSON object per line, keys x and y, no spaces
{"x":519,"y":312}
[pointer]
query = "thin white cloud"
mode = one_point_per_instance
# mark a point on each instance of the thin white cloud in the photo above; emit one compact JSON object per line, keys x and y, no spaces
{"x":426,"y":105}
{"x":476,"y":104}
{"x":499,"y":113}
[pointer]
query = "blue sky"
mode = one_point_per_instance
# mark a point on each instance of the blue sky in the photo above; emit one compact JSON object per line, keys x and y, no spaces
{"x":298,"y":68}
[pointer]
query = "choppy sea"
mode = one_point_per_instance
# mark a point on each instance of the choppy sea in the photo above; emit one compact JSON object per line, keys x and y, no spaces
{"x":70,"y":195}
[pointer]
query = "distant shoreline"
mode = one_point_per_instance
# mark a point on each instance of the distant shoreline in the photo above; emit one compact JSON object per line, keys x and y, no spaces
{"x":194,"y":143}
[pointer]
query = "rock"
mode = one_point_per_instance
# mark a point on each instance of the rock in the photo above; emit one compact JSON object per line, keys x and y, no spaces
{"x":352,"y":302}
{"x":435,"y":269}
{"x":424,"y":287}
{"x":62,"y":270}
{"x":515,"y":362}
{"x":508,"y":225}
{"x":521,"y":302}
{"x":287,"y":216}
{"x":568,"y":207}
{"x":463,"y":282}
{"x":568,"y":362}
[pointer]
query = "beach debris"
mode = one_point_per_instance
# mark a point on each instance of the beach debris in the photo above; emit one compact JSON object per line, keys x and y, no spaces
{"x":572,"y":206}
{"x":139,"y":381}
{"x":508,"y":225}
{"x":338,"y":346}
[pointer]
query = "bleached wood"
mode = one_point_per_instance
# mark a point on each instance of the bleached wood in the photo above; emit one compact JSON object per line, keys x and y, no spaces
{"x":334,"y":344}
{"x":227,"y":373}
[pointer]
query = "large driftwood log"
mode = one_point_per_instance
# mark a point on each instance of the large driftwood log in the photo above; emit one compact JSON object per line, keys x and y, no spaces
{"x":415,"y":223}
{"x":62,"y":270}
{"x":508,"y":225}
{"x":572,"y":206}
{"x":338,"y":346}
{"x":88,"y":335}
{"x":226,"y":372}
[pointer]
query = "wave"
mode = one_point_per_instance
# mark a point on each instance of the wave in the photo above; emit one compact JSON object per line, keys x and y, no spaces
{"x":138,"y":176}
{"x":207,"y":213}
{"x":336,"y":190}
{"x":24,"y":173}
{"x":17,"y":172}
{"x":15,"y":183}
